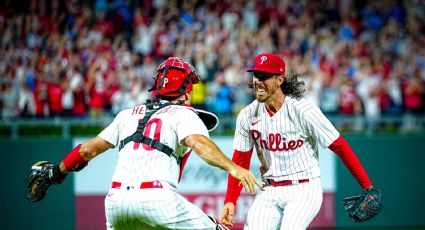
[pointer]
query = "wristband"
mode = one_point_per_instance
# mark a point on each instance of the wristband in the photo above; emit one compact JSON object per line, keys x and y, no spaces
{"x":74,"y":161}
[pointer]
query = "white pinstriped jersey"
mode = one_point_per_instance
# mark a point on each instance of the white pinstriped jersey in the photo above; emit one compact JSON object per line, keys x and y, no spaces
{"x":139,"y":162}
{"x":288,"y":139}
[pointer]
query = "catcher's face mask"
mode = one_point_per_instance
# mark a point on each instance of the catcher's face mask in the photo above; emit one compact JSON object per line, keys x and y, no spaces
{"x":174,"y":77}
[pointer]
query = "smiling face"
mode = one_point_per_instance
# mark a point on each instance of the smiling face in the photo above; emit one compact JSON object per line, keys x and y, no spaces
{"x":267,"y":86}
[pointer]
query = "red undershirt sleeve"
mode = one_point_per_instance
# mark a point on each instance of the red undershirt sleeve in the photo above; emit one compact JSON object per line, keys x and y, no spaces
{"x":234,"y":189}
{"x":350,"y":160}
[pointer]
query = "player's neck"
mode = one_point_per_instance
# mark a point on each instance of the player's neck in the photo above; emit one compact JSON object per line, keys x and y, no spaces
{"x":183,"y":99}
{"x":275,"y":103}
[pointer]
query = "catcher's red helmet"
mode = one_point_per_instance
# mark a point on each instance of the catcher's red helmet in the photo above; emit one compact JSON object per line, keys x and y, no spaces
{"x":174,"y":77}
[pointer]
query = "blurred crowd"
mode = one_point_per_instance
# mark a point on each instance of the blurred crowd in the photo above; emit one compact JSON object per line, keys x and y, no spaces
{"x":89,"y":59}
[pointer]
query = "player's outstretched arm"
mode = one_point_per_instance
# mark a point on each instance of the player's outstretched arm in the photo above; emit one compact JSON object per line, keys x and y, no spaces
{"x":44,"y":173}
{"x":210,"y":153}
{"x":351,"y":161}
{"x":80,"y":155}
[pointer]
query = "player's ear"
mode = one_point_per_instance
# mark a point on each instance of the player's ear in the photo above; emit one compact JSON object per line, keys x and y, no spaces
{"x":280,"y":79}
{"x":188,"y":97}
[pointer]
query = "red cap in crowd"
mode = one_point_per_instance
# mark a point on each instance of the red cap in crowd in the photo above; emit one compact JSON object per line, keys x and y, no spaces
{"x":269,"y":63}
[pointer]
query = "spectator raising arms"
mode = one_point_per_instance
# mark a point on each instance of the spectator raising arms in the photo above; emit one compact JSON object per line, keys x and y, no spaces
{"x":103,"y":41}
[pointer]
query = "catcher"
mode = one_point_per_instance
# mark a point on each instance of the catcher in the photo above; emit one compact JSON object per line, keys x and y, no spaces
{"x":154,"y":141}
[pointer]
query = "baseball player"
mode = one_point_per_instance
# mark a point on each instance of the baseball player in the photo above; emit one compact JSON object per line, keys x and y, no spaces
{"x":155,"y":140}
{"x":285,"y":130}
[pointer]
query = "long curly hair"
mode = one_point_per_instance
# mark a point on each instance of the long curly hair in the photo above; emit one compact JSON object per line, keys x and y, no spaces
{"x":291,"y":86}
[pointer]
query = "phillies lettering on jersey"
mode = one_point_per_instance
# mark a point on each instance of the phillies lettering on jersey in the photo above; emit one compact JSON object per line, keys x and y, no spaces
{"x":288,"y":139}
{"x":275,"y":142}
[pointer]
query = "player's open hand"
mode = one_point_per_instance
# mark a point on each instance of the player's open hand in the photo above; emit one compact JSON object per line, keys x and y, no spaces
{"x":246,"y":178}
{"x":226,"y":216}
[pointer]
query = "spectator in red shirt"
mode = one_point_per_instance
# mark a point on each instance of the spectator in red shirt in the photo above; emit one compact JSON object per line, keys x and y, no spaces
{"x":96,"y":90}
{"x":55,"y":92}
{"x":349,"y":102}
{"x":80,"y":106}
{"x":412,"y":93}
{"x":41,"y":97}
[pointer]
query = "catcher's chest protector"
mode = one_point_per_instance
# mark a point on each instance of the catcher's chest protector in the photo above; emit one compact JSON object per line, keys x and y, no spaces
{"x":140,"y":138}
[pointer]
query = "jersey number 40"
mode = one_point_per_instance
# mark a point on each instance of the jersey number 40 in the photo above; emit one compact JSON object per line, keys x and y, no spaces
{"x":147,"y":132}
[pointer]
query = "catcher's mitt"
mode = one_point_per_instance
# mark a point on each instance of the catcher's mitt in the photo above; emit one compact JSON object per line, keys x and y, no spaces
{"x":41,"y":175}
{"x":365,"y":206}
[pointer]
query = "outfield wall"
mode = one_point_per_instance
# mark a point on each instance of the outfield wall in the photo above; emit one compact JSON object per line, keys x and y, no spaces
{"x":396,"y":165}
{"x":57,"y":210}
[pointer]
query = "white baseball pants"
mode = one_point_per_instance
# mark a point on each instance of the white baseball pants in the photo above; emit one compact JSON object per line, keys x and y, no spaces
{"x":156,"y":207}
{"x":289,"y":207}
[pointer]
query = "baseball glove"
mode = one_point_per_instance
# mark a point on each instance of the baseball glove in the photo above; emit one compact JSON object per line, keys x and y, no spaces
{"x":365,"y":206}
{"x":41,"y":175}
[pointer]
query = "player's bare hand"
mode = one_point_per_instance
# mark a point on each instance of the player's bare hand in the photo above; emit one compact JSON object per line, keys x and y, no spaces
{"x":246,"y":178}
{"x":226,"y":216}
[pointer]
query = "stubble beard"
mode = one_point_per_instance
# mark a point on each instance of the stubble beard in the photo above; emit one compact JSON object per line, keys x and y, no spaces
{"x":260,"y":98}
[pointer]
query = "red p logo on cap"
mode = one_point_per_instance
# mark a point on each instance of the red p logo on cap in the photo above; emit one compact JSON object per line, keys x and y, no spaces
{"x":269,"y":63}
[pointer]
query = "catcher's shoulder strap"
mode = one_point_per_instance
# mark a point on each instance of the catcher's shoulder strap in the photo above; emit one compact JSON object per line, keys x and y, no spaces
{"x":138,"y":136}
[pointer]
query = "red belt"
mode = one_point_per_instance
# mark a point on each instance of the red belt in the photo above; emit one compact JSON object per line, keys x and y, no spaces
{"x":286,"y":182}
{"x":143,"y":185}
